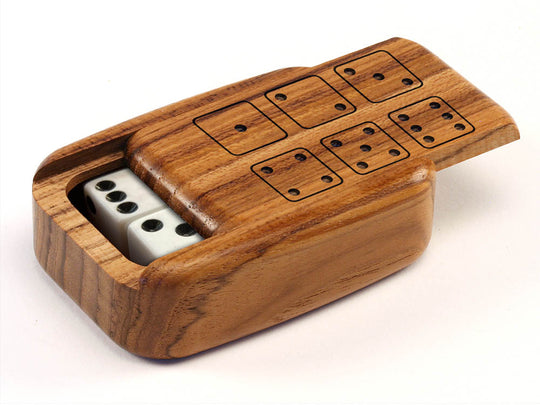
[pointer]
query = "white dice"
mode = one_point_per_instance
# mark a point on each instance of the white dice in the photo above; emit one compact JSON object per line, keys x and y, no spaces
{"x":158,"y":234}
{"x":119,"y":204}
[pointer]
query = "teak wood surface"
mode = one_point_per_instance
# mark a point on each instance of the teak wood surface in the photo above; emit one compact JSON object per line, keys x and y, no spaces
{"x":307,"y":183}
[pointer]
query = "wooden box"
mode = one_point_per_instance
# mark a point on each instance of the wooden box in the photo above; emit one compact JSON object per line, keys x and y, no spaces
{"x":307,"y":184}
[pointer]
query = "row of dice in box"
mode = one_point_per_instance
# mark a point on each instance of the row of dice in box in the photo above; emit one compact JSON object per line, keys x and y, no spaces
{"x":134,"y":218}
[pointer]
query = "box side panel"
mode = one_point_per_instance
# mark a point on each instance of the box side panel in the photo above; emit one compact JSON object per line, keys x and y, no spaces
{"x":105,"y":300}
{"x":247,"y":282}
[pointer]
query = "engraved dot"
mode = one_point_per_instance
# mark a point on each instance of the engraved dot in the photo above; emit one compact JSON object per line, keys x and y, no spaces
{"x":185,"y":229}
{"x":365,"y":148}
{"x":447,"y":116}
{"x":267,"y":169}
{"x":340,"y":107}
{"x":350,"y":71}
{"x":407,"y":81}
{"x":362,"y":165}
{"x":300,"y":157}
{"x":127,"y":207}
{"x":416,"y":128}
{"x":294,"y":191}
{"x":368,"y":131}
{"x":327,"y":179}
{"x":116,"y":196}
{"x":403,"y":117}
{"x":459,"y":127}
{"x":394,"y":152}
{"x":378,"y":76}
{"x":428,"y":139}
{"x":434,"y":105}
{"x":240,"y":128}
{"x":335,"y":143}
{"x":105,"y":185}
{"x":280,"y":97}
{"x":152,"y":225}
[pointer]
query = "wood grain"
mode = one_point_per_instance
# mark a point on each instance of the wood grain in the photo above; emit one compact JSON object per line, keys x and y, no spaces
{"x":365,"y":148}
{"x":292,"y":220}
{"x":367,"y":73}
{"x":255,"y":131}
{"x":310,"y":102}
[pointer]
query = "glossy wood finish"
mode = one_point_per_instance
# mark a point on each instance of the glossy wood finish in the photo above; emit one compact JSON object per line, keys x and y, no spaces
{"x":306,"y":182}
{"x":367,"y":73}
{"x":255,"y":131}
{"x":310,"y":102}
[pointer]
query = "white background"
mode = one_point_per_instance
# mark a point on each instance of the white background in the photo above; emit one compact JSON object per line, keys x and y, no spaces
{"x":461,"y":325}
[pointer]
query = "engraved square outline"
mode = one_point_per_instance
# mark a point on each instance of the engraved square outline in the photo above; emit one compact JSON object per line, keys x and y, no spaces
{"x":416,"y":140}
{"x":362,"y":124}
{"x":232,"y":105}
{"x":386,"y":99}
{"x":298,"y":80}
{"x":289,"y":151}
